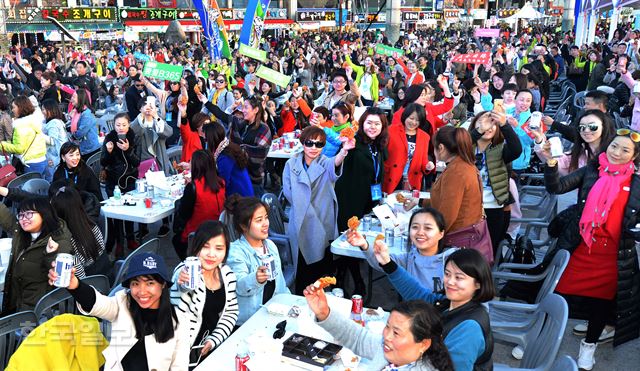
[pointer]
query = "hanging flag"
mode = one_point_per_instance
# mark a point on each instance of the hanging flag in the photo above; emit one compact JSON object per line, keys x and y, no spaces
{"x":213,"y":27}
{"x":253,"y":22}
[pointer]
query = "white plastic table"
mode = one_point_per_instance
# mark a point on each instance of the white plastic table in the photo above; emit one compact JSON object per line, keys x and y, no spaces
{"x":285,"y":153}
{"x":263,"y":325}
{"x":139,"y":213}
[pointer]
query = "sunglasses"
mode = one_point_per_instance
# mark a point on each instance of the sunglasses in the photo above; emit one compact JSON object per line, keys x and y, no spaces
{"x":633,"y":135}
{"x":280,"y":330}
{"x":219,"y":81}
{"x":591,"y":127}
{"x":479,"y":160}
{"x":312,"y":143}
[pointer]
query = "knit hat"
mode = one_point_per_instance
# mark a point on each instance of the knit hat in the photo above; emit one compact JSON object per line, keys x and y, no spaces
{"x":146,"y":264}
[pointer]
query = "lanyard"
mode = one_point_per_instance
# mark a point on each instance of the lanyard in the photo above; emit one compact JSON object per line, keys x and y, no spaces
{"x":75,"y":177}
{"x":376,"y":164}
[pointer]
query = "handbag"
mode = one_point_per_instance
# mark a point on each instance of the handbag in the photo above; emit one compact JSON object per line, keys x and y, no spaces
{"x":146,"y":165}
{"x":475,"y":236}
{"x":7,"y":172}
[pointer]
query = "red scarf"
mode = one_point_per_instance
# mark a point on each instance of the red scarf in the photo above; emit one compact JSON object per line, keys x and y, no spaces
{"x":602,"y":196}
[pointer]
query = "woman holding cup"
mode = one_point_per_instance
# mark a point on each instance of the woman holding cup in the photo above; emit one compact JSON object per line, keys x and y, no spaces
{"x":253,"y":257}
{"x":211,"y":304}
{"x":595,"y":128}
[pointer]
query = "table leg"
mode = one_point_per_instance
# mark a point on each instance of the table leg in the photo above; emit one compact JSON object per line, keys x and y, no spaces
{"x":369,"y":285}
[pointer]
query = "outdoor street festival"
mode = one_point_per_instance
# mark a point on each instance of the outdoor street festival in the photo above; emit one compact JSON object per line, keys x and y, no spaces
{"x":330,"y":185}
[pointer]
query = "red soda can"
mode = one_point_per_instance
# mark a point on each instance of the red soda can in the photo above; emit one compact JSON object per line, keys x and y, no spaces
{"x":356,"y":304}
{"x":291,"y":144}
{"x":241,"y":360}
{"x":415,"y":193}
{"x":148,"y":202}
{"x":282,"y":141}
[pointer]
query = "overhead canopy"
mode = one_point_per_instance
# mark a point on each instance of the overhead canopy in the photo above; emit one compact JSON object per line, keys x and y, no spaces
{"x":527,"y":12}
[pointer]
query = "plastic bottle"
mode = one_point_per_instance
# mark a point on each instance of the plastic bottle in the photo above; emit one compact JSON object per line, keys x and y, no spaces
{"x":117,"y":193}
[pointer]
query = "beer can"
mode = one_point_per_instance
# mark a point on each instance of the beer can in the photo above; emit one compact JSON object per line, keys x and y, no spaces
{"x":270,"y":263}
{"x":241,"y":360}
{"x":388,"y":237}
{"x":192,"y":264}
{"x":64,"y":264}
{"x":404,"y":240}
{"x":415,"y":193}
{"x":356,"y":304}
{"x":141,"y":186}
{"x":151,"y":192}
{"x":338,"y":292}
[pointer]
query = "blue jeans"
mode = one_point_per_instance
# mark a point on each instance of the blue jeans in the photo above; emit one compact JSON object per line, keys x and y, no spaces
{"x":36,"y":167}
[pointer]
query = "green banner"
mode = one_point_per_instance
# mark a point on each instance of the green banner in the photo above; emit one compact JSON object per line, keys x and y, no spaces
{"x":162,"y":71}
{"x":387,"y":50}
{"x":254,"y":53}
{"x":273,"y":76}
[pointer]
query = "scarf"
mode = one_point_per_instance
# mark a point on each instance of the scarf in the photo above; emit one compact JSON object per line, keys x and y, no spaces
{"x":602,"y":196}
{"x":221,"y":147}
{"x":75,"y":118}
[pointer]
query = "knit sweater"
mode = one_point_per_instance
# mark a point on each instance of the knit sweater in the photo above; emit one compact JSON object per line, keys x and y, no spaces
{"x":191,"y":304}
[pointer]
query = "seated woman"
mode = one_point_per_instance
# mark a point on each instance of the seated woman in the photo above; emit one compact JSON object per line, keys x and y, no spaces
{"x":424,"y":257}
{"x":150,"y":334}
{"x":212,"y":308}
{"x":39,"y":237}
{"x":203,"y":199}
{"x":411,"y":340}
{"x":75,"y":171}
{"x":467,"y":284}
{"x":253,"y":257}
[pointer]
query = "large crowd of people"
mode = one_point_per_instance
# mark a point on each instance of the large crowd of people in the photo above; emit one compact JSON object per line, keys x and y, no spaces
{"x":370,"y":125}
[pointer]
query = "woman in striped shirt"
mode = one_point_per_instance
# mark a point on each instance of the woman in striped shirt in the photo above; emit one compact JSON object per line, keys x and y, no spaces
{"x":212,"y":308}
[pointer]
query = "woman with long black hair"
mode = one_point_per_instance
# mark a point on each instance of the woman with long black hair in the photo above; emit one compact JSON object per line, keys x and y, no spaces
{"x":74,"y":170}
{"x":231,"y":161}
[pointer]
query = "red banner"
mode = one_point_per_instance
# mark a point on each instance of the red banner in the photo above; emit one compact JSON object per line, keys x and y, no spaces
{"x":474,"y":58}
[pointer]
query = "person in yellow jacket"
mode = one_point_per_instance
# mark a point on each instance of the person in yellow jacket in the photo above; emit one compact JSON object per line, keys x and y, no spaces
{"x":65,"y":342}
{"x":366,"y":80}
{"x":28,"y":143}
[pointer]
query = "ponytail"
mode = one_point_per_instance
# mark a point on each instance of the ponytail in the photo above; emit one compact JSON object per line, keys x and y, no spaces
{"x":438,"y":355}
{"x":457,"y":141}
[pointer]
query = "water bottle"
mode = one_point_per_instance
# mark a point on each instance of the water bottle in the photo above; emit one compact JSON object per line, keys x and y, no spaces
{"x":117,"y":193}
{"x":405,"y":183}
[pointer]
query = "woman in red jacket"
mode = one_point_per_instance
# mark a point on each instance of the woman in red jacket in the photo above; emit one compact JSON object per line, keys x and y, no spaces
{"x":293,"y":116}
{"x":425,"y":95}
{"x":203,"y":199}
{"x":408,"y":151}
{"x":192,"y":134}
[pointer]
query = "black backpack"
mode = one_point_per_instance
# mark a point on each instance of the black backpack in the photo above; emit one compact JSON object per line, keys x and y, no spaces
{"x":521,"y":251}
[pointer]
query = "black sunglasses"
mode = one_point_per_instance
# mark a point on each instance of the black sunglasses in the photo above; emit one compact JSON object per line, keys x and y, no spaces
{"x":220,"y":81}
{"x":479,"y":160}
{"x":591,"y":127}
{"x":311,"y":143}
{"x":280,"y":330}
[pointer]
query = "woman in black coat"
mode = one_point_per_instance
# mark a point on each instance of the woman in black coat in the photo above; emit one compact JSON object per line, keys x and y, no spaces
{"x":75,"y":171}
{"x":605,"y":279}
{"x":362,"y":174}
{"x":120,"y":161}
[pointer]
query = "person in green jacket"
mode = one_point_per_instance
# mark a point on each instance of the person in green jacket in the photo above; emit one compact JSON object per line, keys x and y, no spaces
{"x":366,"y":80}
{"x":38,"y":236}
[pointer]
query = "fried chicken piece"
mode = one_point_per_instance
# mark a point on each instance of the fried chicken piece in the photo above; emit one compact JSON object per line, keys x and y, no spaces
{"x":348,"y":132}
{"x":353,"y":223}
{"x":323,"y":282}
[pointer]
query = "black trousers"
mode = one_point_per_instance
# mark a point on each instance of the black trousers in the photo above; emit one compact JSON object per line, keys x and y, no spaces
{"x":306,"y":274}
{"x":598,"y":312}
{"x":498,"y":223}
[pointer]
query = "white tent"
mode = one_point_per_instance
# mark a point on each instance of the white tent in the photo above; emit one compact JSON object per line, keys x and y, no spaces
{"x":527,"y":12}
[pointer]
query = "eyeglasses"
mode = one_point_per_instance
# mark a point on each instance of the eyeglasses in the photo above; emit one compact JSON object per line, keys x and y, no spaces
{"x":479,"y":160}
{"x":25,"y":215}
{"x":592,"y":127}
{"x":219,"y":81}
{"x":633,"y":135}
{"x":339,"y":81}
{"x":311,"y":143}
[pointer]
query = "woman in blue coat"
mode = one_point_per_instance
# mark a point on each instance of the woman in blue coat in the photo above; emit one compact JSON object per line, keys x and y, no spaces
{"x":83,"y":124}
{"x":231,"y":161}
{"x":308,"y":184}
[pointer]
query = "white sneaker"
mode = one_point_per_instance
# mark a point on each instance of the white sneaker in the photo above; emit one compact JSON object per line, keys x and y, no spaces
{"x":517,"y":352}
{"x":586,"y":358}
{"x":605,"y":337}
{"x":581,"y":328}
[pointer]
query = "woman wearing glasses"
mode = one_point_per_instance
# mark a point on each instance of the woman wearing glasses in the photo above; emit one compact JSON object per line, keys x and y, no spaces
{"x":39,"y":236}
{"x":340,"y":83}
{"x":603,"y":270}
{"x":308,"y":184}
{"x":221,"y":96}
{"x":496,"y":144}
{"x":595,"y":128}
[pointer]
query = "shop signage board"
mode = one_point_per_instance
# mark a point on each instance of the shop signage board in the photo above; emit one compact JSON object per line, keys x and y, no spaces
{"x":139,"y":14}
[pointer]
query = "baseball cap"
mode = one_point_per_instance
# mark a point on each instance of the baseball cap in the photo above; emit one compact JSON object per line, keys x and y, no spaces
{"x":146,"y":264}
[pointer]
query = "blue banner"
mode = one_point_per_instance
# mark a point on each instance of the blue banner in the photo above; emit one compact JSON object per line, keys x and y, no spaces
{"x":213,"y":27}
{"x":253,"y":23}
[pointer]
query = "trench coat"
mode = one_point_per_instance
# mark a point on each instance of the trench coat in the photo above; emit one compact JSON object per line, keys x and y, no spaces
{"x":314,"y":206}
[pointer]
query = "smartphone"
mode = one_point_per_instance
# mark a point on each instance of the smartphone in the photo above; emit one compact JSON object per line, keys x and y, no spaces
{"x":122,"y":137}
{"x":151,"y":101}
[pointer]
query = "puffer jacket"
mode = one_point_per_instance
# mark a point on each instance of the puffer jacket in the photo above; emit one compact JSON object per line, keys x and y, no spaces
{"x":26,"y":281}
{"x":28,"y":143}
{"x":628,"y":295}
{"x":121,"y":166}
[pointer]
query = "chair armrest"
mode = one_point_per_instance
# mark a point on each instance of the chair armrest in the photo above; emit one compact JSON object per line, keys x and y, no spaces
{"x":512,"y":266}
{"x":519,"y":277}
{"x":509,"y":305}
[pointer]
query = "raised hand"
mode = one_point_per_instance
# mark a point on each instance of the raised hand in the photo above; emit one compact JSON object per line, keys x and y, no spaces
{"x":355,"y":238}
{"x":381,"y":252}
{"x":317,"y":301}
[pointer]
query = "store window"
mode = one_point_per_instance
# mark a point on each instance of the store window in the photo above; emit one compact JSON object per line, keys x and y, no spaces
{"x":184,"y":4}
{"x":306,"y":4}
